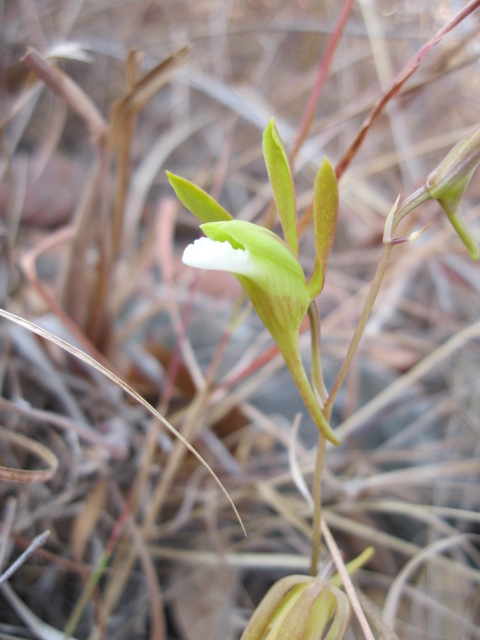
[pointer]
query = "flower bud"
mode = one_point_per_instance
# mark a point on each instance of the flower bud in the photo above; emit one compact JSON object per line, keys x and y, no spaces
{"x":448,"y":182}
{"x":299,"y":608}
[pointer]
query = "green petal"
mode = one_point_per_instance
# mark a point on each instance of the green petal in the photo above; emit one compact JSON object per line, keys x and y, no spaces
{"x":258,"y":240}
{"x":276,"y":283}
{"x":281,"y":180}
{"x":196,"y":200}
{"x":325,"y":214}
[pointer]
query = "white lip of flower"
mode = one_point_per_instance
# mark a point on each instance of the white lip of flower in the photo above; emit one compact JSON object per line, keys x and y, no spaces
{"x":205,"y":253}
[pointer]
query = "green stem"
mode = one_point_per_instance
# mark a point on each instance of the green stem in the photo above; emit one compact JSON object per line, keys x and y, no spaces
{"x":290,"y":350}
{"x":357,"y":336}
{"x":318,"y":382}
{"x":458,"y":223}
{"x":320,"y":391}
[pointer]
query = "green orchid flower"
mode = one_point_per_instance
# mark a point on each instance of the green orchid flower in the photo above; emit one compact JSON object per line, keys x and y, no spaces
{"x":268,"y":271}
{"x":266,"y":266}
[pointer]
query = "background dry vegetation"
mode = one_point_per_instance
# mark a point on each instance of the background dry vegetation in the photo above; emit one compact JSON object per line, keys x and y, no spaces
{"x":91,"y":240}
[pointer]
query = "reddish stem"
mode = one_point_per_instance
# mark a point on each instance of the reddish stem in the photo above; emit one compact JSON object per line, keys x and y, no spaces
{"x":405,"y":73}
{"x":321,"y":78}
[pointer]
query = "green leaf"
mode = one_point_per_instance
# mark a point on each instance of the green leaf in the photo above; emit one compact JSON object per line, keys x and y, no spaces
{"x":325,"y":213}
{"x":281,"y":180}
{"x":197,"y":200}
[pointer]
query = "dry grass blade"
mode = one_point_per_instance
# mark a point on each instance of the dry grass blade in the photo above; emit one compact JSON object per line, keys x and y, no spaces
{"x":157,"y":613}
{"x":84,"y":431}
{"x":147,"y":170}
{"x":392,"y":602}
{"x":375,"y":618}
{"x":40,"y":629}
{"x":75,"y":293}
{"x":81,"y":355}
{"x":86,"y":520}
{"x":123,"y":124}
{"x":25,"y":476}
{"x":347,"y":582}
{"x":402,"y":384}
{"x":8,"y":516}
{"x":143,"y":90}
{"x":417,"y":475}
{"x":296,"y":472}
{"x":38,"y":542}
{"x":67,"y":89}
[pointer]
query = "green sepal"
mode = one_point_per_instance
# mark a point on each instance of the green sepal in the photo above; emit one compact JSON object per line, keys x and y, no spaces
{"x":280,"y":176}
{"x":289,"y":620}
{"x":271,"y":606}
{"x":323,"y":610}
{"x":325,"y":214}
{"x":274,"y":283}
{"x":197,"y":201}
{"x":451,"y":202}
{"x":300,"y":608}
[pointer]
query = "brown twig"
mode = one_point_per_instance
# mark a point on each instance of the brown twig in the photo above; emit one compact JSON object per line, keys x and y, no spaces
{"x":69,"y":91}
{"x":322,"y":75}
{"x":405,"y":73}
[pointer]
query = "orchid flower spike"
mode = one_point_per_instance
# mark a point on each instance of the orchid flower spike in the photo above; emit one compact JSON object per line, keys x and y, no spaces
{"x":266,"y":266}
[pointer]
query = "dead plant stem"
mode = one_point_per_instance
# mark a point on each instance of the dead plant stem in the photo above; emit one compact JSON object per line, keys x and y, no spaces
{"x":322,"y":75}
{"x":347,"y":582}
{"x":404,"y":74}
{"x":309,"y":112}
